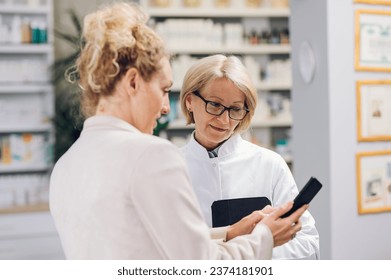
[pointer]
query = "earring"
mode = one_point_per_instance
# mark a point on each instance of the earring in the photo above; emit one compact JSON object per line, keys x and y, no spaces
{"x":189,"y":109}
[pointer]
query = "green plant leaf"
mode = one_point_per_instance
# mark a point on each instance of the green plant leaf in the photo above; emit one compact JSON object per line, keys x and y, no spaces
{"x":71,"y":39}
{"x":76,"y":21}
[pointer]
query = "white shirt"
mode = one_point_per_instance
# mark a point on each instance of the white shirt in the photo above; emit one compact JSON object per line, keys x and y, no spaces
{"x":243,"y":169}
{"x":120,"y":194}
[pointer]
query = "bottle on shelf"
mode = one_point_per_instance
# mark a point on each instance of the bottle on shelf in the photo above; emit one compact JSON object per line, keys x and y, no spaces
{"x":16,"y":27}
{"x":26,"y":31}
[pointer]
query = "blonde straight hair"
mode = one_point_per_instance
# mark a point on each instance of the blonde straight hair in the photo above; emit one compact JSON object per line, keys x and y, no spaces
{"x":217,"y":66}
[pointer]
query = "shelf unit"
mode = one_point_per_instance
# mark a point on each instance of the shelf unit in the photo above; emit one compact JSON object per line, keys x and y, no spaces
{"x":26,"y":101}
{"x":237,"y":12}
{"x":253,"y":50}
{"x":26,"y":49}
{"x":266,"y":129}
{"x":26,"y":131}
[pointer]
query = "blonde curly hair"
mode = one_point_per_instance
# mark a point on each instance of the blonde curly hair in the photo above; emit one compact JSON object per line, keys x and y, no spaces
{"x":116,"y":38}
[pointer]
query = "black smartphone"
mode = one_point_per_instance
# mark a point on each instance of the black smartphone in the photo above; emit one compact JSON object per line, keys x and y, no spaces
{"x":305,"y":196}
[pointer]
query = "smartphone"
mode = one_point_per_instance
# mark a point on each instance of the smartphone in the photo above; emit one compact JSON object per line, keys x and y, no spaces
{"x":305,"y":196}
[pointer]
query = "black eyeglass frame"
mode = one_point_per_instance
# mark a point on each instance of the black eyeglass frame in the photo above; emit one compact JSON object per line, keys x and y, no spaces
{"x":197,"y":93}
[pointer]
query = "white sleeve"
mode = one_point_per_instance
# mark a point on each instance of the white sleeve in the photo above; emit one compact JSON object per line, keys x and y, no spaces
{"x":306,"y":243}
{"x":218,"y":233}
{"x":168,"y":208}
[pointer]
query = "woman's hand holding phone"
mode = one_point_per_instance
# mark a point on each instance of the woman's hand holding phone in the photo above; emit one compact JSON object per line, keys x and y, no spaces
{"x":284,"y":229}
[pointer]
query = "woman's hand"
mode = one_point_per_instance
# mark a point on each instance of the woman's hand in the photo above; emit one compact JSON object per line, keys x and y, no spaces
{"x":247,"y":224}
{"x":284,"y":230}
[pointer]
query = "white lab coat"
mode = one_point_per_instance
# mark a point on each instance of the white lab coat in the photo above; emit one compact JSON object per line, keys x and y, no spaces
{"x":243,"y":169}
{"x":120,"y":194}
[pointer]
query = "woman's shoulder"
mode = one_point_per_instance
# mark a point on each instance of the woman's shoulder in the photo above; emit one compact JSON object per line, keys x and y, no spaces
{"x":146,"y":141}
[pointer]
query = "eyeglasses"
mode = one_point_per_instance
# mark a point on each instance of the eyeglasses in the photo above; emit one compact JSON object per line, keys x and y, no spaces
{"x":217,"y":109}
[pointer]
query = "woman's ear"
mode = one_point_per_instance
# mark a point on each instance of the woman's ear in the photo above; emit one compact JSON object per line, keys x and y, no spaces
{"x":132,"y":78}
{"x":189,"y":100}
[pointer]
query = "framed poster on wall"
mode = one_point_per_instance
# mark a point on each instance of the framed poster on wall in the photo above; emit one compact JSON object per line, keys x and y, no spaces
{"x":375,"y":2}
{"x":373,"y":110}
{"x":373,"y":181}
{"x":373,"y":40}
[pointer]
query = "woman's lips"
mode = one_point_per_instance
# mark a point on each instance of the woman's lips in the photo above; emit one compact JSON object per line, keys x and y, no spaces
{"x":218,"y":129}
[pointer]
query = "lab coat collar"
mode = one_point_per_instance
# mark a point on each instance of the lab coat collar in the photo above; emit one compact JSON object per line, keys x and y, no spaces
{"x":227,"y":148}
{"x":107,"y":122}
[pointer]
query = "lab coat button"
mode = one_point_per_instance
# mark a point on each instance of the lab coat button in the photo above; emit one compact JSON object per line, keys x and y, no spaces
{"x":214,"y":164}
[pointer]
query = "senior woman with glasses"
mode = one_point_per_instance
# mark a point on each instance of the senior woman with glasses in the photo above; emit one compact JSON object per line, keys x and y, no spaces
{"x":219,"y":98}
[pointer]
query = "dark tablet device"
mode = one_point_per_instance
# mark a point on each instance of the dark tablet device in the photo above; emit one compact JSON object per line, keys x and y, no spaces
{"x":305,"y":196}
{"x":229,"y":211}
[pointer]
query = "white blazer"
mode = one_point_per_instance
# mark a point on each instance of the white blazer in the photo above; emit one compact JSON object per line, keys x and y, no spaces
{"x":243,"y":169}
{"x":120,"y":194}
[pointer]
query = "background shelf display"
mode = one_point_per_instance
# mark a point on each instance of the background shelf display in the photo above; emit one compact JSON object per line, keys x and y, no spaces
{"x":7,"y":8}
{"x":26,"y":130}
{"x":27,"y":49}
{"x":260,"y":49}
{"x":26,"y":94}
{"x":241,"y":12}
{"x":258,"y":35}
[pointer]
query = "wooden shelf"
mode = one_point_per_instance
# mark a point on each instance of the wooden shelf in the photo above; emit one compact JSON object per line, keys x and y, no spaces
{"x":23,"y":209}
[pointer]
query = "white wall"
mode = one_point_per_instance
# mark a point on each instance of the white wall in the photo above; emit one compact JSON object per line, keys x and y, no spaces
{"x":324,"y":130}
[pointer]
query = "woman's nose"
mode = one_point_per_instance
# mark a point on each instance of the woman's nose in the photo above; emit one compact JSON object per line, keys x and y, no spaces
{"x":224,"y":117}
{"x":165,"y":109}
{"x":166,"y":106}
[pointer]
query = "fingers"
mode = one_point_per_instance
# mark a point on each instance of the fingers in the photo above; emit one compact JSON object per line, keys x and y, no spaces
{"x":254,"y":217}
{"x":267,"y":209}
{"x":295,"y":229}
{"x":282,"y":209}
{"x":295,"y":216}
{"x":244,"y":226}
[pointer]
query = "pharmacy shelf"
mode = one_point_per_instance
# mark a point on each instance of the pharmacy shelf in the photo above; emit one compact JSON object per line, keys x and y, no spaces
{"x":19,"y":169}
{"x":26,"y":49}
{"x":12,"y":128}
{"x":180,"y":124}
{"x":264,"y":85}
{"x":24,"y":88}
{"x":271,"y":123}
{"x":24,"y":9}
{"x":22,"y":209}
{"x":219,"y":12}
{"x":256,"y":49}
